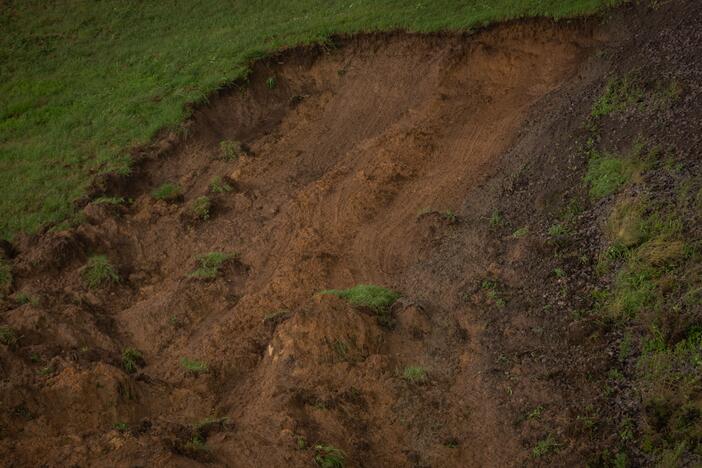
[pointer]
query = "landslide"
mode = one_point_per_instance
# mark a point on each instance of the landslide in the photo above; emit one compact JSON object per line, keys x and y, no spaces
{"x":431,"y":165}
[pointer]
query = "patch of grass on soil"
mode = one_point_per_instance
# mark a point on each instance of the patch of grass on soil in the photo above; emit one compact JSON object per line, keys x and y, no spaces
{"x":99,"y":272}
{"x":211,"y":264}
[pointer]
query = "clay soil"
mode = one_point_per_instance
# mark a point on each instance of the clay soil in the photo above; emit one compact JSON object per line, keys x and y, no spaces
{"x":378,"y":159}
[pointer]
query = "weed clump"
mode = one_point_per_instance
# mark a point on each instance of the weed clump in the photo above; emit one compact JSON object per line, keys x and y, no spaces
{"x":99,"y":272}
{"x":230,"y":149}
{"x":167,"y":192}
{"x":414,"y":374}
{"x":545,"y":447}
{"x":131,"y":358}
{"x":375,"y":298}
{"x":193,"y":366}
{"x":200,"y":208}
{"x":219,"y":185}
{"x":327,"y":456}
{"x":8,"y":337}
{"x":619,"y":95}
{"x":211,"y":265}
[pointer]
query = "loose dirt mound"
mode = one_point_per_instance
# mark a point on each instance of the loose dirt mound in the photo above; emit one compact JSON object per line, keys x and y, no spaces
{"x":380,"y":160}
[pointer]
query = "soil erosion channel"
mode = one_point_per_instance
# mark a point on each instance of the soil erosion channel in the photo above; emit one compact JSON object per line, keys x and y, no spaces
{"x":351,"y":164}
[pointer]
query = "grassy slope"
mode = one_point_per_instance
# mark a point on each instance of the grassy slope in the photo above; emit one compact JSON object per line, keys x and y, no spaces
{"x":83,"y":81}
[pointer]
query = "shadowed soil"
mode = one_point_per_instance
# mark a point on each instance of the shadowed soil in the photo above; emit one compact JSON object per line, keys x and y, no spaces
{"x":378,"y":160}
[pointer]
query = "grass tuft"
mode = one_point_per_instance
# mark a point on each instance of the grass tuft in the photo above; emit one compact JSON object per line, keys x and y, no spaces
{"x":375,"y":298}
{"x":230,"y":149}
{"x":219,"y":185}
{"x":99,"y":272}
{"x":327,"y":456}
{"x":131,"y":359}
{"x":200,"y":208}
{"x":414,"y":374}
{"x":619,"y":94}
{"x":167,"y":192}
{"x":211,"y":264}
{"x":8,"y":337}
{"x":193,"y":366}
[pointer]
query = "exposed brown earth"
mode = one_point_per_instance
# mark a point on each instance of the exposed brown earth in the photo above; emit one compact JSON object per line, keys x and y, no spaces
{"x":380,"y":161}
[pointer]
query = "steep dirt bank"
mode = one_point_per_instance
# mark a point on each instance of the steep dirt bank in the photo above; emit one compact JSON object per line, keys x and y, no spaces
{"x":381,"y":160}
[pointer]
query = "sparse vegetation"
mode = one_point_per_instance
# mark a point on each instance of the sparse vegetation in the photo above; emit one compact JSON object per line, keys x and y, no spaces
{"x":544,"y":447}
{"x":608,"y":172}
{"x":200,"y":208}
{"x":193,"y":366}
{"x":496,"y":219}
{"x":492,"y":290}
{"x":375,"y":298}
{"x":557,"y":230}
{"x":521,"y":232}
{"x":8,"y":337}
{"x":211,"y":264}
{"x":99,"y":272}
{"x":168,"y":191}
{"x":219,"y":185}
{"x":619,"y":94}
{"x":131,"y":359}
{"x":271,"y":82}
{"x":414,"y":374}
{"x":121,"y":426}
{"x":449,"y":216}
{"x":327,"y":456}
{"x":230,"y":149}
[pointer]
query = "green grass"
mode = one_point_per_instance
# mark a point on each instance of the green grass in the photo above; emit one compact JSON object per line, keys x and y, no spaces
{"x":619,"y":94}
{"x":230,"y":149}
{"x":8,"y":337}
{"x":414,"y":374}
{"x":327,"y":456}
{"x":99,"y":272}
{"x":109,"y":201}
{"x":521,"y":232}
{"x":375,"y":298}
{"x":200,"y":208}
{"x":131,"y":359}
{"x":608,"y":172}
{"x":84,"y":81}
{"x":194,"y":366}
{"x":544,"y":447}
{"x":211,"y":265}
{"x":167,"y":191}
{"x":219,"y":185}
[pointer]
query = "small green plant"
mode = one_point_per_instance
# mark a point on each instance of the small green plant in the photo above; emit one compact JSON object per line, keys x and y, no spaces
{"x":618,"y":95}
{"x":449,"y":216}
{"x":211,"y":265}
{"x":121,"y":426}
{"x":271,"y":82}
{"x":300,"y":442}
{"x":131,"y":358}
{"x":557,"y":230}
{"x":24,"y":298}
{"x":327,"y":456}
{"x":99,"y":272}
{"x":200,"y":208}
{"x":559,"y":272}
{"x":193,"y":366}
{"x":167,"y":192}
{"x":230,"y":149}
{"x":492,"y":291}
{"x":5,"y":277}
{"x":375,"y":298}
{"x":535,"y":413}
{"x":414,"y":374}
{"x":545,"y":447}
{"x":608,"y":172}
{"x":8,"y":337}
{"x":521,"y":232}
{"x":496,"y":219}
{"x":219,"y":185}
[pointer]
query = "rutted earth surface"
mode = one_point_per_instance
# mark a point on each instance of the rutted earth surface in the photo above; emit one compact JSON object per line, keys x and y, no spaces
{"x":379,"y":161}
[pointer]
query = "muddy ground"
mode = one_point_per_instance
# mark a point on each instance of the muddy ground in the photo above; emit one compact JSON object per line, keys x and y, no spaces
{"x":433,"y":165}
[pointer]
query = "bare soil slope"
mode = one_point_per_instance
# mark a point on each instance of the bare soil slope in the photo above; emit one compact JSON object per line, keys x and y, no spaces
{"x":380,"y":160}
